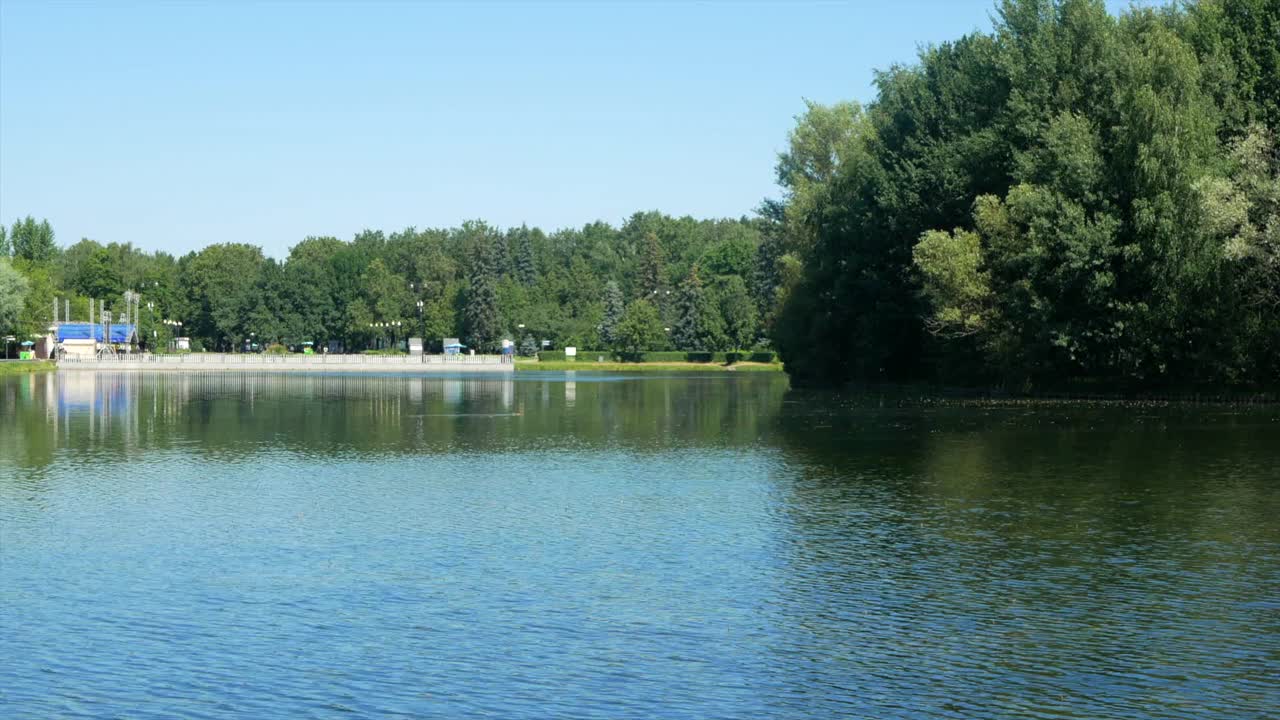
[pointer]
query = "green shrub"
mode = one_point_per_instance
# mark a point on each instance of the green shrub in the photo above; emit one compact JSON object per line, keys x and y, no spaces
{"x":277,"y":349}
{"x":584,"y":356}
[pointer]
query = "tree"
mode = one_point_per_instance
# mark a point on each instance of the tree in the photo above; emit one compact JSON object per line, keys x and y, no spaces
{"x":220,"y":282}
{"x":954,"y":282}
{"x":4,"y":243}
{"x":481,"y":313}
{"x":738,"y":311}
{"x":639,"y":329}
{"x":13,"y":293}
{"x":699,"y":325}
{"x":33,"y":241}
{"x":528,"y":346}
{"x":652,"y":268}
{"x":613,"y":312}
{"x":526,"y":265}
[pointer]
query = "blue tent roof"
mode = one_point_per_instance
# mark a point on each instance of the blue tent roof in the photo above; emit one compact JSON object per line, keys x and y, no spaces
{"x":84,"y":331}
{"x":455,"y":345}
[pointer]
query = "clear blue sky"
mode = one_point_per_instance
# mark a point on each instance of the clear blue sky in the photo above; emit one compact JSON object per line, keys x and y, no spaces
{"x":177,"y":125}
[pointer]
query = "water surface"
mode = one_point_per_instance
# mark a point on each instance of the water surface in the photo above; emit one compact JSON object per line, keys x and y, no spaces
{"x":238,"y":546}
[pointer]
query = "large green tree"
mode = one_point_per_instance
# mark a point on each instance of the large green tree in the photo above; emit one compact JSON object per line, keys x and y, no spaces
{"x":481,"y":313}
{"x":33,"y":241}
{"x":639,"y":328}
{"x":13,"y":294}
{"x":220,"y":283}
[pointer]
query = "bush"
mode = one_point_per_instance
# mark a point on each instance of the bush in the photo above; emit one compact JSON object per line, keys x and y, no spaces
{"x":660,"y":356}
{"x":277,"y":349}
{"x":584,"y":356}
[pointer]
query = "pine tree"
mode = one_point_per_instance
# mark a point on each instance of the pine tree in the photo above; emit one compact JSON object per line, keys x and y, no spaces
{"x":614,"y":307}
{"x":526,"y":268}
{"x":481,"y":311}
{"x":699,"y":325}
{"x":33,"y":240}
{"x":528,"y":346}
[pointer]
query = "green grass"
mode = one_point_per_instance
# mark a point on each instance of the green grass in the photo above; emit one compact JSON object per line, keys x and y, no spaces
{"x":530,"y":365}
{"x":26,"y":367}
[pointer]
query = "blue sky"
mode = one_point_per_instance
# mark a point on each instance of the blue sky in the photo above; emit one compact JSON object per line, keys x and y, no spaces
{"x":177,"y":125}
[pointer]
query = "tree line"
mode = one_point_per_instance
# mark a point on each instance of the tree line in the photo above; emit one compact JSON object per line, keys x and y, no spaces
{"x":655,"y":282}
{"x":1070,"y":197}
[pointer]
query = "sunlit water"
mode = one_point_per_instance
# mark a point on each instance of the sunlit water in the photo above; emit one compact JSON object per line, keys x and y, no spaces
{"x":235,"y":546}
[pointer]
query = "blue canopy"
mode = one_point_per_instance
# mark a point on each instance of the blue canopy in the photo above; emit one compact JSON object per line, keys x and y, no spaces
{"x":455,"y":345}
{"x":85,"y":331}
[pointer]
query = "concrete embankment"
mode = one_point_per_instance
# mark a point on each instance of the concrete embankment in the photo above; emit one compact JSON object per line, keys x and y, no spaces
{"x":219,"y":362}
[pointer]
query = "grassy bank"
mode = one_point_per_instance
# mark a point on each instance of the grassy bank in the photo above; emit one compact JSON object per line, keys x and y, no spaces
{"x":643,"y":367}
{"x":25,"y":367}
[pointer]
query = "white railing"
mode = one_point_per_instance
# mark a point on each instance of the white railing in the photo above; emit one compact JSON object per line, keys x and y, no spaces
{"x":311,"y":361}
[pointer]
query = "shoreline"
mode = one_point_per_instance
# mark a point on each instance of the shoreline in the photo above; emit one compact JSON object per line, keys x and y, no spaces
{"x":26,"y":367}
{"x":645,"y":367}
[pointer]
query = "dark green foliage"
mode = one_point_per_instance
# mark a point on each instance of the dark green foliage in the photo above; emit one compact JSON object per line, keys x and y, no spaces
{"x":1046,"y":203}
{"x":699,"y":324}
{"x":614,"y":307}
{"x":738,"y":311}
{"x":651,"y":269}
{"x":481,"y":309}
{"x":526,"y":266}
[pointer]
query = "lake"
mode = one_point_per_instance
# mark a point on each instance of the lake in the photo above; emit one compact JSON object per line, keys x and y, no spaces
{"x":592,"y":546}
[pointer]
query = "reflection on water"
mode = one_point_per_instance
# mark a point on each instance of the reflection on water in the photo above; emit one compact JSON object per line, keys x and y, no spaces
{"x":593,"y":546}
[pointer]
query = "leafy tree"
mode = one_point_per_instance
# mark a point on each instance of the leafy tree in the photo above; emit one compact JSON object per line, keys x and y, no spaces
{"x":33,"y":241}
{"x":4,"y":243}
{"x":954,"y":282}
{"x":220,"y":283}
{"x":13,"y":293}
{"x":738,"y":311}
{"x":639,"y":329}
{"x":37,"y":307}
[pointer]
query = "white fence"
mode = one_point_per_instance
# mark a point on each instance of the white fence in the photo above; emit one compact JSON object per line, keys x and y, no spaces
{"x":256,"y":361}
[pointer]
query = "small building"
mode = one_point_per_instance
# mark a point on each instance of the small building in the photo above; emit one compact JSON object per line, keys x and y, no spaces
{"x":85,"y":339}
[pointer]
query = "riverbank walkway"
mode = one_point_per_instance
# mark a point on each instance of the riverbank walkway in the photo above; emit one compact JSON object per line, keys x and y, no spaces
{"x":261,"y":362}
